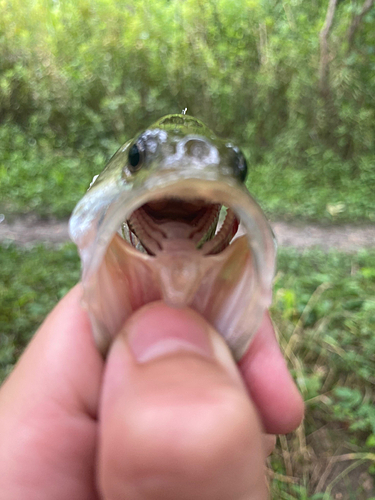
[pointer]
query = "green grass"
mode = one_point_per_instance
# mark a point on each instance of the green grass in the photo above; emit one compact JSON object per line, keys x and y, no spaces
{"x":45,"y":181}
{"x":324,"y":312}
{"x":289,"y":193}
{"x":79,"y":78}
{"x":32,"y":282}
{"x":49,"y":182}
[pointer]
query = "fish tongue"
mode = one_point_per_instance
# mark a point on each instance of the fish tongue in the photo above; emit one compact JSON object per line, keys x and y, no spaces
{"x":179,"y":273}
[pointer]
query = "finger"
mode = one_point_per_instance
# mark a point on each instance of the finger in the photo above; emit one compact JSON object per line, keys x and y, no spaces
{"x":47,"y":411}
{"x":270,"y":384}
{"x":269,"y":443}
{"x":176,"y":420}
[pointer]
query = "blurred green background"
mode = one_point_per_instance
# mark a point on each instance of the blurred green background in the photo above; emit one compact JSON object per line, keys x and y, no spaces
{"x":295,"y":88}
{"x":78,"y":78}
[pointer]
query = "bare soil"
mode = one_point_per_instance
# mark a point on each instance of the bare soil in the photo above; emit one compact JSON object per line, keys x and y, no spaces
{"x":347,"y":238}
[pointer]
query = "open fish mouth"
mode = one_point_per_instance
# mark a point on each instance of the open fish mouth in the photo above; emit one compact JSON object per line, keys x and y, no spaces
{"x":172,"y":223}
{"x":180,"y":242}
{"x":199,"y":242}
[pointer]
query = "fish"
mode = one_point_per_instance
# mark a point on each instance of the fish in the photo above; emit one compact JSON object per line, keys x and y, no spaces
{"x":170,"y":218}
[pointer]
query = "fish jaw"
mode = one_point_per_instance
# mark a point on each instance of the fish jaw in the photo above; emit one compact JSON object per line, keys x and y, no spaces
{"x":231,"y":288}
{"x":222,"y":287}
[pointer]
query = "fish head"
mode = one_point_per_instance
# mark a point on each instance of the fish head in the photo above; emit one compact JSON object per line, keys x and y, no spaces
{"x":170,"y":218}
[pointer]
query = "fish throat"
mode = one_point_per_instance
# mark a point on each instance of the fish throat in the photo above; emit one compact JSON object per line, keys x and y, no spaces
{"x":172,"y":225}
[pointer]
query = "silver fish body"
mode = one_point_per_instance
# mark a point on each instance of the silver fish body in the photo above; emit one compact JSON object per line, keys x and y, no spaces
{"x":161,"y":222}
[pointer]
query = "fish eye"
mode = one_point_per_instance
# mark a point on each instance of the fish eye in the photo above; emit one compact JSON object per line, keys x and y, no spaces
{"x":135,"y":157}
{"x":240,"y":166}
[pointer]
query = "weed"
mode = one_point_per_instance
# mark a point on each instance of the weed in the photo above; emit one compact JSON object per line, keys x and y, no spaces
{"x":324,"y":315}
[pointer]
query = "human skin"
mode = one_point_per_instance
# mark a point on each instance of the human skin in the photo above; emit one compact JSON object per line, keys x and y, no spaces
{"x":168,"y":415}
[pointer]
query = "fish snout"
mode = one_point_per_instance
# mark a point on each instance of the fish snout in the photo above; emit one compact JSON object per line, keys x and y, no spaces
{"x":199,"y":148}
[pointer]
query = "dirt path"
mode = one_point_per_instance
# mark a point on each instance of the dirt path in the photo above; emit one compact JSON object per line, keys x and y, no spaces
{"x":348,"y":238}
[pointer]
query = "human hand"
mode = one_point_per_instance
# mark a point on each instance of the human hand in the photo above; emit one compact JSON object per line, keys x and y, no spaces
{"x":167,"y":416}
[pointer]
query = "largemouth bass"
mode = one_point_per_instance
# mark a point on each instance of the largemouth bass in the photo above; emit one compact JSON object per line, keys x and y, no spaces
{"x":162,"y":222}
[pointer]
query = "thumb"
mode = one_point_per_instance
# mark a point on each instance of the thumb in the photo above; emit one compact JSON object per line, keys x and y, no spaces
{"x":175,"y":419}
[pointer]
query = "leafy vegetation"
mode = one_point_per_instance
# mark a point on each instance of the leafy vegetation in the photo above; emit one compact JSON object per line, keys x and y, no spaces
{"x":294,"y":88}
{"x":78,"y":78}
{"x":49,"y":182}
{"x":33,"y":280}
{"x":324,"y":312}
